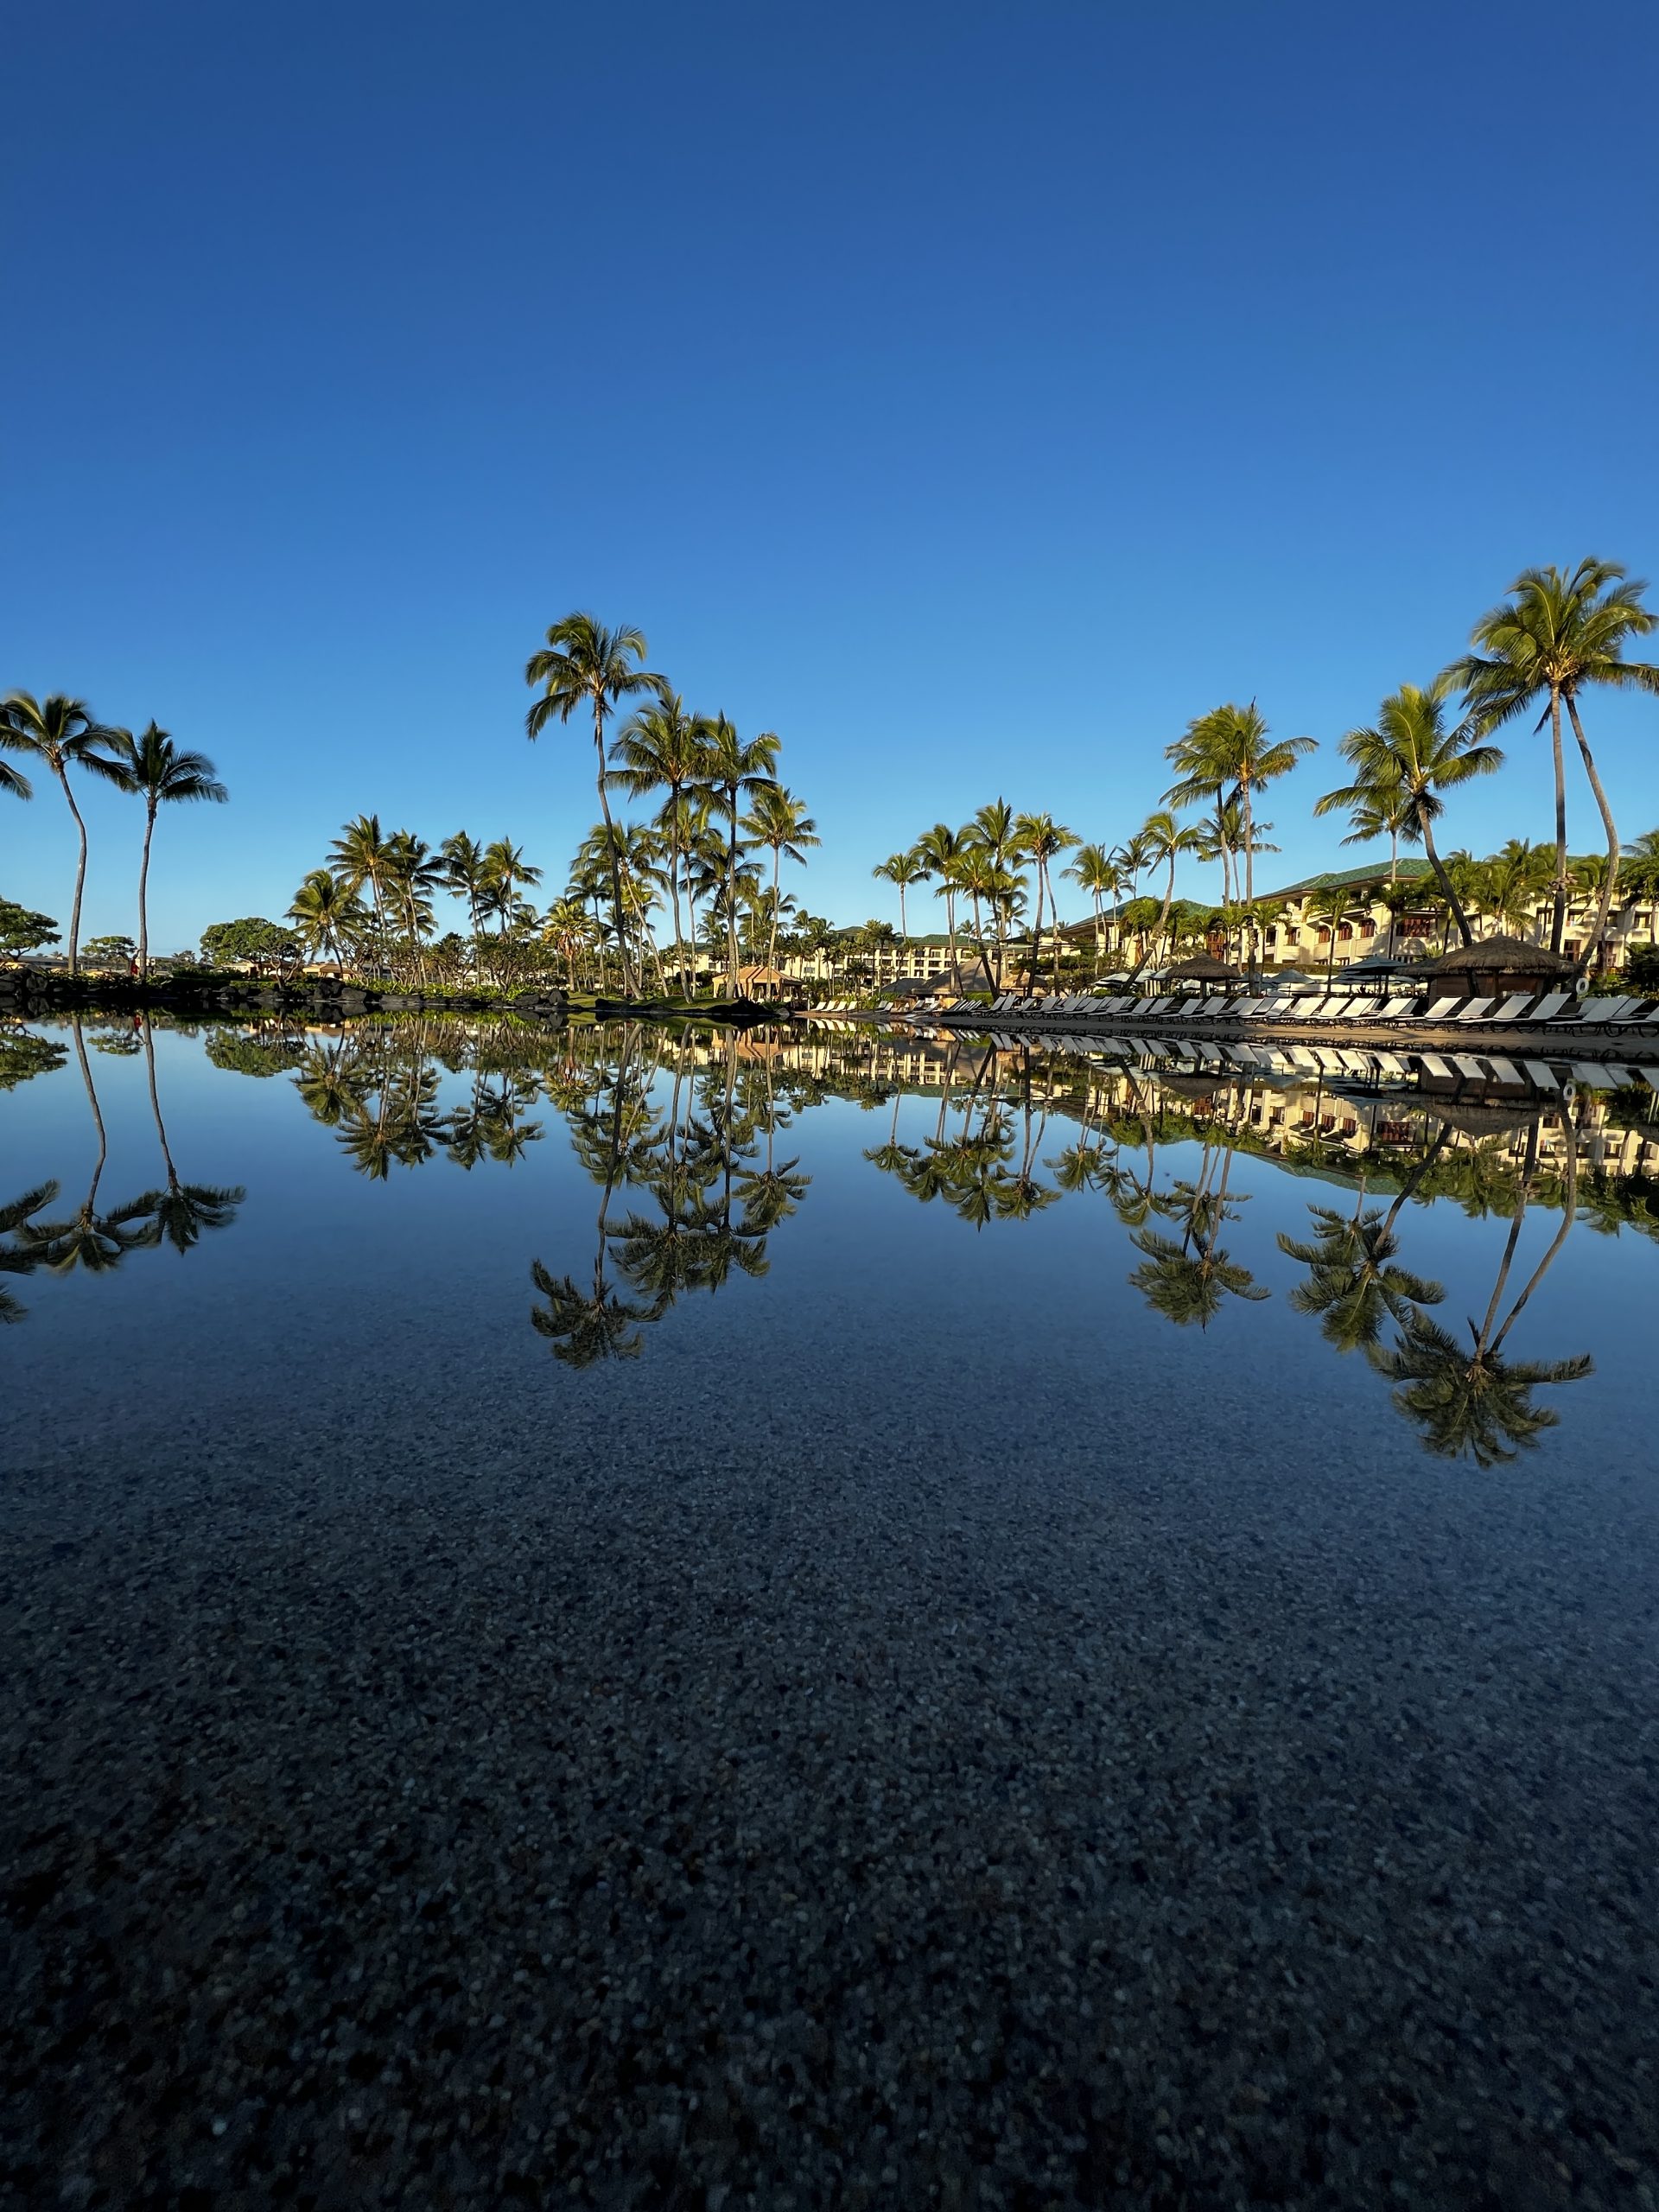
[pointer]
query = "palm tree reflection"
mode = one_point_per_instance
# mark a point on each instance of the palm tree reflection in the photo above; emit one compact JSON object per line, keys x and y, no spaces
{"x":710,"y":1198}
{"x":1189,"y":1278}
{"x":18,"y":1259}
{"x":180,"y":1213}
{"x":1471,"y":1401}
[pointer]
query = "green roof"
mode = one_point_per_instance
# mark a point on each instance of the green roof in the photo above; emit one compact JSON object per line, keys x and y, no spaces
{"x":1407,"y":872}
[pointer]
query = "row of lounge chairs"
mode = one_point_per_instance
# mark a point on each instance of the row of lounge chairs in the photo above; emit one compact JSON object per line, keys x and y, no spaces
{"x":1521,"y":1009}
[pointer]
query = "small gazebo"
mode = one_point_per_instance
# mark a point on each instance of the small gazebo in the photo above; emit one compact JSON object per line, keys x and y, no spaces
{"x":1500,"y":963}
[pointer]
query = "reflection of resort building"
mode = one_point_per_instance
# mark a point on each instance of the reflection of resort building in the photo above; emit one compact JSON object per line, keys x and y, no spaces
{"x":1285,"y":1118}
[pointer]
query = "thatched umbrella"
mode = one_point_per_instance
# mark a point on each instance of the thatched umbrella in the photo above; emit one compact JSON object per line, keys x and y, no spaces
{"x":1200,"y":968}
{"x":1501,"y":963}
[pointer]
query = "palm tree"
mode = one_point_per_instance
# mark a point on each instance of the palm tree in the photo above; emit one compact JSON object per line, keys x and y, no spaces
{"x":1206,"y":771}
{"x":14,"y":782}
{"x":153,"y":766}
{"x":1094,"y":870}
{"x":1432,"y":759}
{"x":1374,"y":798}
{"x":359,"y":855}
{"x":779,"y":821}
{"x":661,"y":747}
{"x":1253,"y":759}
{"x":502,"y":868}
{"x":992,"y":830}
{"x":938,"y":849}
{"x":1040,"y":839}
{"x":583,"y":664}
{"x":902,"y":869}
{"x":1556,"y":635}
{"x":731,"y":769}
{"x":1166,"y":841}
{"x":463,"y":875}
{"x":327,"y":916}
{"x":61,"y":733}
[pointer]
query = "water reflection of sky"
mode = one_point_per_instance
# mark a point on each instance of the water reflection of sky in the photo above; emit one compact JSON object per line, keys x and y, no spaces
{"x":1005,"y":1240}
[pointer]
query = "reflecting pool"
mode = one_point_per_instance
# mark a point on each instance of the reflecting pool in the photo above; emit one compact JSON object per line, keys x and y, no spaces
{"x":636,"y":1615}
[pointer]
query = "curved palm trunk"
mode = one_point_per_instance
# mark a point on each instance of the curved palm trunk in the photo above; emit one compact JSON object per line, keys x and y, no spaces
{"x":156,"y":1106}
{"x":1569,"y":1213}
{"x":1431,"y":853}
{"x":1604,"y":905}
{"x":1558,"y":912}
{"x":610,"y":846}
{"x":98,"y":1123}
{"x":81,"y":882}
{"x":1163,"y":917}
{"x":143,"y":893}
{"x":951,"y":933}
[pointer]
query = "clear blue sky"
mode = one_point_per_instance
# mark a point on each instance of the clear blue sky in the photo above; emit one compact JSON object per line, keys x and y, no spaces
{"x":971,"y":393}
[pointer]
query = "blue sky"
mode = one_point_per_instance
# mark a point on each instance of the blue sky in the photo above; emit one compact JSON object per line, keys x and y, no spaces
{"x":969,"y":393}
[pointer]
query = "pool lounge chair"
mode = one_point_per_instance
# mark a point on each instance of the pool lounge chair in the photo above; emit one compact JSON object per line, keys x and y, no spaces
{"x":1511,"y":1009}
{"x":1551,"y":1004}
{"x":1441,"y":1010}
{"x":1477,"y":1010}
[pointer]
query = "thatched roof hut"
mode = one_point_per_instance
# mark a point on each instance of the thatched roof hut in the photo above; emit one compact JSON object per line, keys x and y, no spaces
{"x":1200,"y":968}
{"x":1500,"y":963}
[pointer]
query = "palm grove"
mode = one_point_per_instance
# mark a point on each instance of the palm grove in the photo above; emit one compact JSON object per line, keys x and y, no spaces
{"x":697,"y":885}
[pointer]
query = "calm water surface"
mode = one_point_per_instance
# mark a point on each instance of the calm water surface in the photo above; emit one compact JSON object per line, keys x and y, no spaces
{"x":371,"y":1216}
{"x":622,"y":1617}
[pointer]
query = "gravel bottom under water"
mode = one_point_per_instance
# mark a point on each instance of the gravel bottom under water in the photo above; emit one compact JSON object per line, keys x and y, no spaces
{"x":909,"y":1834}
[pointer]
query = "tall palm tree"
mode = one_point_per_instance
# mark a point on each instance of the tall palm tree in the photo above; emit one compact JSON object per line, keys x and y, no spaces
{"x":1374,"y":798}
{"x":662,"y":747}
{"x":359,"y":855}
{"x":902,"y":869}
{"x":938,"y":849}
{"x":1432,"y":761}
{"x":584,"y":665}
{"x":992,"y":828}
{"x":62,"y":733}
{"x":734,"y":769}
{"x":1040,"y":839}
{"x":1555,"y":635}
{"x":779,"y":821}
{"x":1254,"y":759}
{"x":1205,"y":772}
{"x":463,"y":860}
{"x":153,"y":767}
{"x":412,"y":873}
{"x":1094,"y":870}
{"x":1166,"y":841}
